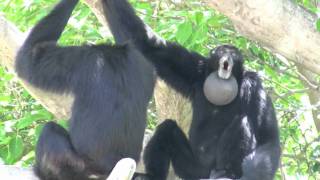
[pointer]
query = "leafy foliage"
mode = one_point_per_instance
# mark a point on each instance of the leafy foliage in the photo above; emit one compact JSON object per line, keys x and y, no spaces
{"x":197,"y":28}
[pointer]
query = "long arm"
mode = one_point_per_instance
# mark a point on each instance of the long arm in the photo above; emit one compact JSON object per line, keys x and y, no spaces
{"x":176,"y":65}
{"x":40,"y":61}
{"x":263,"y":162}
{"x":51,"y":27}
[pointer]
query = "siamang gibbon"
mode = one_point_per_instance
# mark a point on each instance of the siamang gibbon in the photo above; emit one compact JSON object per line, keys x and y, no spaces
{"x":111,"y":85}
{"x":235,"y":140}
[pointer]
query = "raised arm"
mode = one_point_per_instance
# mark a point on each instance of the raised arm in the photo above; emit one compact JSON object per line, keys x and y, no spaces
{"x":263,"y":162}
{"x":176,"y":65}
{"x":41,"y":62}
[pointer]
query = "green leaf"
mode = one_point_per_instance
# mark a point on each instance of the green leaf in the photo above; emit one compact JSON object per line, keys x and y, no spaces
{"x":25,"y":122}
{"x":5,"y":141}
{"x":255,"y":50}
{"x":214,"y":21}
{"x":318,"y":25}
{"x":29,"y":119}
{"x":8,"y":76}
{"x":15,"y":149}
{"x":29,"y":156}
{"x":38,"y":130}
{"x":241,"y":43}
{"x":2,"y":132}
{"x":184,"y":32}
{"x":4,"y":153}
{"x":199,"y":17}
{"x":316,"y":167}
{"x":63,"y":123}
{"x":200,"y":35}
{"x":5,"y":100}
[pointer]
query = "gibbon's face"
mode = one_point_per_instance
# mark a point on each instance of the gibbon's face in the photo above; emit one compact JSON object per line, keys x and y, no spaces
{"x":226,"y":60}
{"x":224,"y":67}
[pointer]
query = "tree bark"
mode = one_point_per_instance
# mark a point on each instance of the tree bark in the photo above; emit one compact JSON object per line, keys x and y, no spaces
{"x":171,"y":105}
{"x":313,"y":94}
{"x":96,"y":7}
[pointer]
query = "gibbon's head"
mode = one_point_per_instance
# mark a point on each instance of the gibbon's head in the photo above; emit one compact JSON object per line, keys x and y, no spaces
{"x":225,"y":68}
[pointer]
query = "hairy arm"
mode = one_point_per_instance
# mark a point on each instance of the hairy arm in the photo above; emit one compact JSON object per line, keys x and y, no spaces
{"x":41,"y":62}
{"x":176,"y":65}
{"x":263,"y":162}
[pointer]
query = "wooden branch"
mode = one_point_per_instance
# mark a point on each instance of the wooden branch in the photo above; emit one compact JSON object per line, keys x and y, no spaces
{"x":280,"y":25}
{"x":123,"y":170}
{"x":16,"y":173}
{"x":313,"y":94}
{"x":96,"y":8}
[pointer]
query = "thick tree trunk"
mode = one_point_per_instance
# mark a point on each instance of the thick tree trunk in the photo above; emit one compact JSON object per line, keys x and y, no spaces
{"x":171,"y":105}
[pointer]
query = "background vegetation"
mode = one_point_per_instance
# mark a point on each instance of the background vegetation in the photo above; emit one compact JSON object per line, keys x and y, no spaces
{"x":195,"y":27}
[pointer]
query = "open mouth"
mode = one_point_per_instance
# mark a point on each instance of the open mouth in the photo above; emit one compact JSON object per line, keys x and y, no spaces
{"x":225,"y":65}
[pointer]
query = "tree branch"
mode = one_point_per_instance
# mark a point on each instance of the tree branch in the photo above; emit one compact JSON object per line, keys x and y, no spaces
{"x":124,"y":170}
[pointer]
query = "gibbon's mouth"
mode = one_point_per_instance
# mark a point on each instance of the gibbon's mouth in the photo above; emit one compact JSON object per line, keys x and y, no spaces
{"x":225,"y":67}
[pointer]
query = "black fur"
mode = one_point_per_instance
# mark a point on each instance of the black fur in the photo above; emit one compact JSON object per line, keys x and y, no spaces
{"x":112,"y":86}
{"x":239,"y":140}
